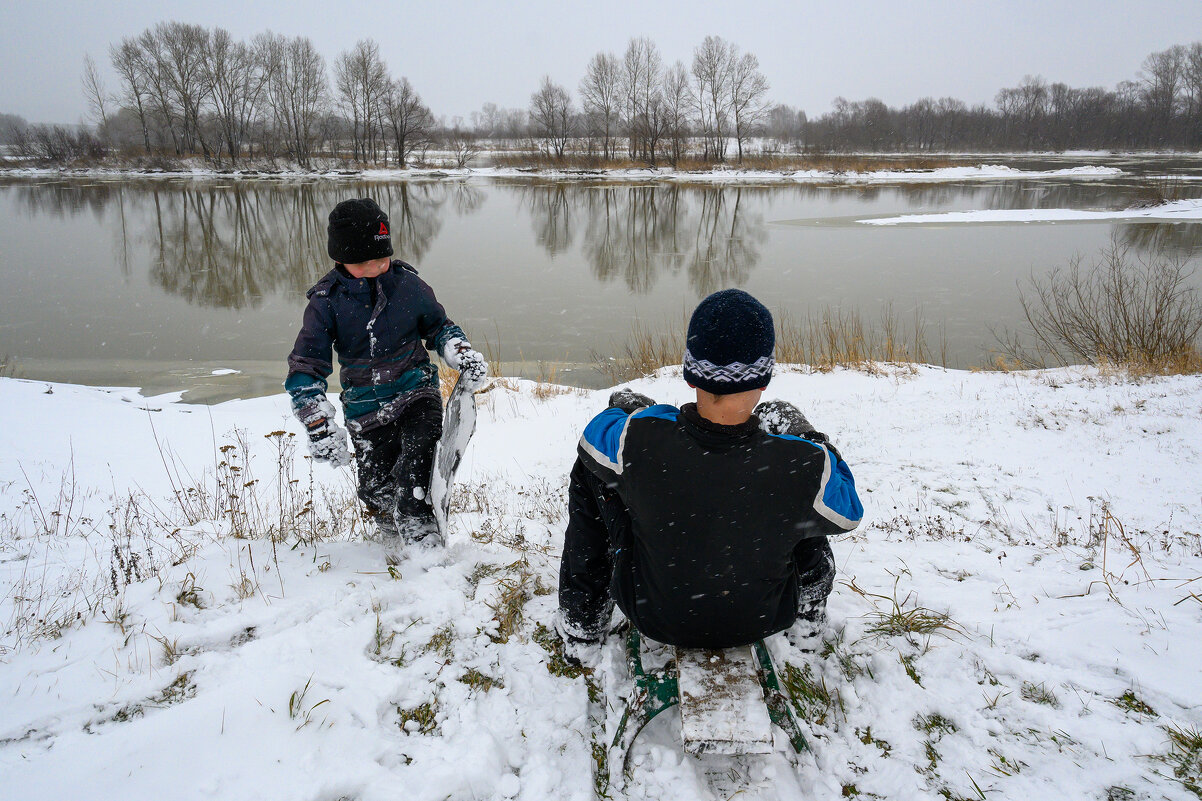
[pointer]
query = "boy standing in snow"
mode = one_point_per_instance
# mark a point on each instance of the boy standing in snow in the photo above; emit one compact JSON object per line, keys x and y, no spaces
{"x":375,"y":313}
{"x":707,"y":524}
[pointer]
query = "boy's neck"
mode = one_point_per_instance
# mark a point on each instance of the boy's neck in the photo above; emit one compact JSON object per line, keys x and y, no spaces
{"x":727,"y":410}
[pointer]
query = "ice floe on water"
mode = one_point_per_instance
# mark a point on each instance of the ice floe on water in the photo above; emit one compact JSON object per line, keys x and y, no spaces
{"x":1179,"y":210}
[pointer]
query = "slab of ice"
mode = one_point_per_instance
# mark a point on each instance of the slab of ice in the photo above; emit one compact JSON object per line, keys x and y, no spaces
{"x":1181,"y":210}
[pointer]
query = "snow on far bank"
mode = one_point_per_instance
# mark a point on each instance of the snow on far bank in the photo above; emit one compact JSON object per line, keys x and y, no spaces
{"x":984,"y":172}
{"x":720,"y":175}
{"x":1179,"y":210}
{"x":1055,"y":517}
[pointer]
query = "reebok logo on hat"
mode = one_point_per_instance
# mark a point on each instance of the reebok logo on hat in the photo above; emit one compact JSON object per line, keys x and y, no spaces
{"x":383,"y":234}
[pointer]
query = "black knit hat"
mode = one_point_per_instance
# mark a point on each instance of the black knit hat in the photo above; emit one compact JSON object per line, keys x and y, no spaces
{"x":358,"y":232}
{"x":729,"y":345}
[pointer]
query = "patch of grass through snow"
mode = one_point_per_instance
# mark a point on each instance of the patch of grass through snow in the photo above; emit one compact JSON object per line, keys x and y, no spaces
{"x":421,"y":719}
{"x":1185,"y":756}
{"x":812,"y":698}
{"x":1039,"y":694}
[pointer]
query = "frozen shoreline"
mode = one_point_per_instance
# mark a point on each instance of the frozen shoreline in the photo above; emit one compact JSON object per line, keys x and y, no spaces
{"x":292,"y":677}
{"x":984,"y":172}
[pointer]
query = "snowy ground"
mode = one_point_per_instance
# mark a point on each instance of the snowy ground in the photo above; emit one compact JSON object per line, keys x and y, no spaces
{"x":1019,"y":616}
{"x":984,"y":172}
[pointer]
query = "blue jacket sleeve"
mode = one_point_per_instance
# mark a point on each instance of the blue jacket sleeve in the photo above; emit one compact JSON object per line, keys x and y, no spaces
{"x":836,"y":501}
{"x":601,"y":445}
{"x":310,"y":363}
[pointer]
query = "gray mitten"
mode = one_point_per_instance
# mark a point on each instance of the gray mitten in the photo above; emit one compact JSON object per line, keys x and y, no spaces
{"x":327,"y":439}
{"x":472,"y":365}
{"x":459,"y":355}
{"x":782,"y":417}
{"x":629,"y":401}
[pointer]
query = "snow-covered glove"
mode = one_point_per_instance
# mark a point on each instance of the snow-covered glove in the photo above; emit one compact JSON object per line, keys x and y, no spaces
{"x":629,"y":401}
{"x":327,"y":439}
{"x":459,"y":355}
{"x":782,"y":417}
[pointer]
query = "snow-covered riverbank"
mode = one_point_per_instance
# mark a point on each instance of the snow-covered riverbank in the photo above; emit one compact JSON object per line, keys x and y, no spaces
{"x":983,"y":172}
{"x":1055,"y":518}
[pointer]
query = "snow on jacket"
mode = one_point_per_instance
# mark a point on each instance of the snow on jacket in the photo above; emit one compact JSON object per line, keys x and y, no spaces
{"x":716,"y":514}
{"x":376,"y":326}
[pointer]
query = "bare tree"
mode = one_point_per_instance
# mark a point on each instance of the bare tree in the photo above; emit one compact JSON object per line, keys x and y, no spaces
{"x":488,"y":120}
{"x":1162,"y":81}
{"x":95,"y":93}
{"x":748,"y":88}
{"x":181,"y":61}
{"x":599,"y":99}
{"x":12,"y":128}
{"x":157,"y":81}
{"x":711,"y":74}
{"x":130,"y":64}
{"x":679,"y":102}
{"x":361,"y":80}
{"x":787,"y":126}
{"x":297,"y":90}
{"x":462,"y":144}
{"x":407,"y":118}
{"x":236,"y":81}
{"x":551,"y":115}
{"x":643,"y":105}
{"x":1023,"y":109}
{"x":1192,"y":79}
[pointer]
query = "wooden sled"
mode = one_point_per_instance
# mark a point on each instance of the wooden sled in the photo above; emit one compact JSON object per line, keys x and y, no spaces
{"x":729,"y":700}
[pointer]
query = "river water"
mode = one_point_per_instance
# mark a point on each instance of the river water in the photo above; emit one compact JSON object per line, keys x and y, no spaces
{"x":160,"y":283}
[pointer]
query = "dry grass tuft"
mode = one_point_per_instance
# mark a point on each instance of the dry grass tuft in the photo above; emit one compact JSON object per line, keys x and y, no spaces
{"x":478,"y":682}
{"x":1038,"y":694}
{"x":1124,"y":311}
{"x":903,"y":618}
{"x":824,"y":340}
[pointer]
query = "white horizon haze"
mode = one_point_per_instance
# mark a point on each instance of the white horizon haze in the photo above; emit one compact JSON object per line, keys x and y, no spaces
{"x":460,"y":55}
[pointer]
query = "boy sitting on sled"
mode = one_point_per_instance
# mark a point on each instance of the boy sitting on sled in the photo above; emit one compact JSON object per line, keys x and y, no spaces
{"x":707,"y":524}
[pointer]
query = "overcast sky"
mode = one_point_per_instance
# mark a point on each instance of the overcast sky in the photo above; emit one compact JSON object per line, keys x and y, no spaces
{"x":460,"y":55}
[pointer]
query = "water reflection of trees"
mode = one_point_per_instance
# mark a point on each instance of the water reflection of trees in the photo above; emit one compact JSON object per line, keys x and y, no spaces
{"x":1171,"y":239}
{"x":638,"y":233}
{"x":550,"y":207}
{"x":631,"y":233}
{"x":229,"y":245}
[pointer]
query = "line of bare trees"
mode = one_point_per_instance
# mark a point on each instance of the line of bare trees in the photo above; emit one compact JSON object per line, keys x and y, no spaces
{"x":1160,"y":109}
{"x":188,"y":90}
{"x":652,"y":111}
{"x":720,"y":99}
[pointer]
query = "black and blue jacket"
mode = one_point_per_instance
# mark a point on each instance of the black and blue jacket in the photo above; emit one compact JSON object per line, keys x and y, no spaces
{"x":718,"y":518}
{"x":377,"y":327}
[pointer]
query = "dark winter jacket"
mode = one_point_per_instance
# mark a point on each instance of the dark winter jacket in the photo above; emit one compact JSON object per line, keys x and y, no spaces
{"x":376,"y":325}
{"x":717,"y":514}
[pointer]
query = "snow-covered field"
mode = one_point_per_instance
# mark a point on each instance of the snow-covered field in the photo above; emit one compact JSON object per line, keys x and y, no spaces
{"x":1019,"y":616}
{"x":984,"y":172}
